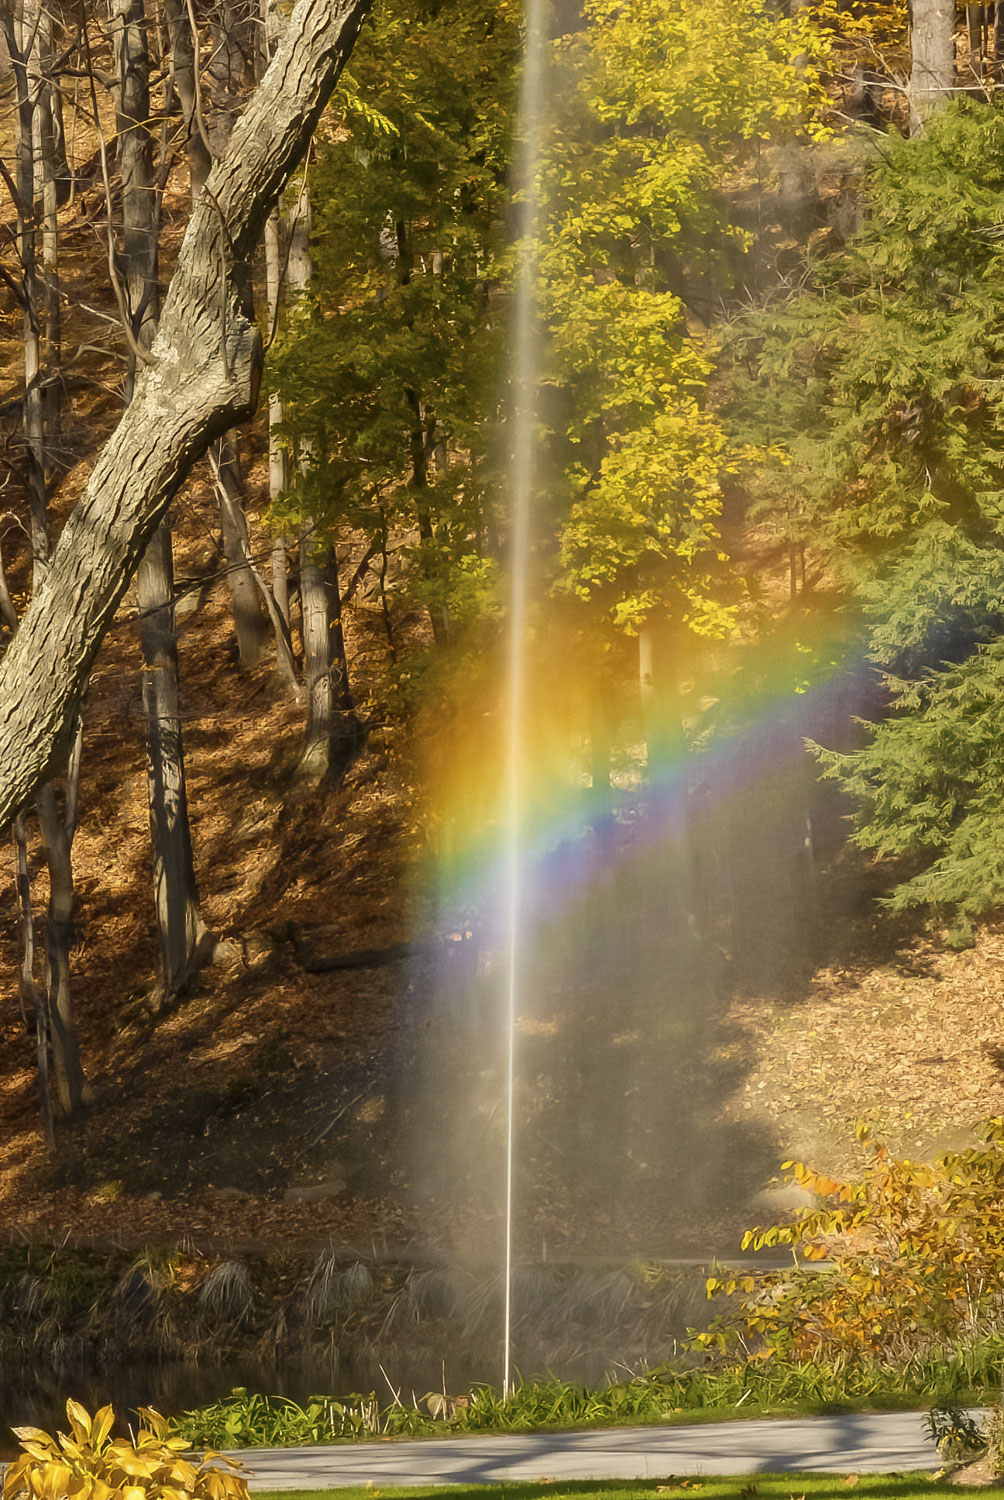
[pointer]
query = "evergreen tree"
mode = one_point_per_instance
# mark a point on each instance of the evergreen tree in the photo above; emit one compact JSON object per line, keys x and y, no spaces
{"x":876,"y":398}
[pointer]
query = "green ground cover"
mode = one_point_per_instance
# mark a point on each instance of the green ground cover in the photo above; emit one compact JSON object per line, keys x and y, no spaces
{"x":971,"y":1376}
{"x":916,"y":1486}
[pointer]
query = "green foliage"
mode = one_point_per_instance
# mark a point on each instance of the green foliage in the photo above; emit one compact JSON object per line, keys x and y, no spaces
{"x":955,"y":1433}
{"x":656,"y":104}
{"x":678,"y":1392}
{"x":930,"y":783}
{"x":873,"y":404}
{"x":393,"y":382}
{"x":914,"y":1261}
{"x":394,"y":372}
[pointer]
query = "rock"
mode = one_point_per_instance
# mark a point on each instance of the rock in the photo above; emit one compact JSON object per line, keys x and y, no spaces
{"x":258,"y":949}
{"x":226,"y":951}
{"x":318,"y":1192}
{"x":784,"y":1198}
{"x":978,"y":1475}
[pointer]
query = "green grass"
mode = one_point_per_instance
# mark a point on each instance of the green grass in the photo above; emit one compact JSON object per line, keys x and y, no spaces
{"x":918,"y":1486}
{"x":969,"y":1376}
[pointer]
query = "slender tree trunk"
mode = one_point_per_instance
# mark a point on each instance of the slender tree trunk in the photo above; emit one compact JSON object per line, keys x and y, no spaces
{"x":236,"y":523}
{"x":186,"y":85}
{"x":33,"y":999}
{"x":20,"y":21}
{"x":333,"y":730}
{"x":278,"y":478}
{"x":932,"y":43}
{"x":180,"y":929}
{"x":975,"y":22}
{"x":421,"y":446}
{"x":57,"y":841}
{"x":250,"y":625}
{"x":47,"y":173}
{"x":25,"y":28}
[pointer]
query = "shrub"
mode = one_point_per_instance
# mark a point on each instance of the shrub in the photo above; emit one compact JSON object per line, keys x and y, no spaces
{"x":89,"y":1464}
{"x":912,"y":1260}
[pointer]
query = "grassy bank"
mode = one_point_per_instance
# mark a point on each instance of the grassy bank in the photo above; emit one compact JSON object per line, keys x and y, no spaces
{"x":971,"y":1375}
{"x":918,"y":1486}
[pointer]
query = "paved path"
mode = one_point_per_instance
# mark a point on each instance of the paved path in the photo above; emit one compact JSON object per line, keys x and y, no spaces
{"x":858,"y":1443}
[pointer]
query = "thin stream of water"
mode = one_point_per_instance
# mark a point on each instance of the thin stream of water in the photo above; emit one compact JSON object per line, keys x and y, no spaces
{"x":526,"y":350}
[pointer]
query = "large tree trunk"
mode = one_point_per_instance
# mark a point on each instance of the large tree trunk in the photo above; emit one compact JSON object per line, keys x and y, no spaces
{"x":180,"y":928}
{"x":932,"y":42}
{"x":204,"y":378}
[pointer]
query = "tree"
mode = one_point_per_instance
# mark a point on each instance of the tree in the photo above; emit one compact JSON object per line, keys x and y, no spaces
{"x":203,"y":378}
{"x":395,"y":388}
{"x":932,"y":48}
{"x":878,"y":391}
{"x":180,"y":929}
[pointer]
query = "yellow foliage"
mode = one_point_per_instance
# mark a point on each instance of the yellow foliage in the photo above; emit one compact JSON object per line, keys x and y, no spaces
{"x":88,"y":1464}
{"x":914,"y":1255}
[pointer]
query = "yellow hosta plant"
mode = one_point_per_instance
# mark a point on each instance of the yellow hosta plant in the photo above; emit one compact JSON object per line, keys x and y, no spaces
{"x":89,"y":1464}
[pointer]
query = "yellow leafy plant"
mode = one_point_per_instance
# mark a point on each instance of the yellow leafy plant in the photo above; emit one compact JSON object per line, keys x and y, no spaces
{"x":910,"y":1256}
{"x":88,"y":1463}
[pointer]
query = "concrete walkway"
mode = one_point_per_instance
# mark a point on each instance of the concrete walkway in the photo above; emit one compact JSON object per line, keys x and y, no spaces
{"x":858,"y":1443}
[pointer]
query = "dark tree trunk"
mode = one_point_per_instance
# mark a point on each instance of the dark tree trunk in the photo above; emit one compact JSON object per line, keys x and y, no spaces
{"x":20,"y":24}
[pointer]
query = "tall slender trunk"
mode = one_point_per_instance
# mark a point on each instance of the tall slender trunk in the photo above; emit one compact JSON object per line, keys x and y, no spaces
{"x":180,"y":928}
{"x":25,"y":27}
{"x":21,"y":22}
{"x":278,"y":475}
{"x":278,"y":478}
{"x":186,"y":85}
{"x":57,"y":828}
{"x":250,"y":625}
{"x":32,"y":1001}
{"x":333,"y":731}
{"x":47,"y":174}
{"x":932,"y":44}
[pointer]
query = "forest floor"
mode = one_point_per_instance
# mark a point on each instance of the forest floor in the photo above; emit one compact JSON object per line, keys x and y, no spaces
{"x":270,"y":1078}
{"x":267,"y":1076}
